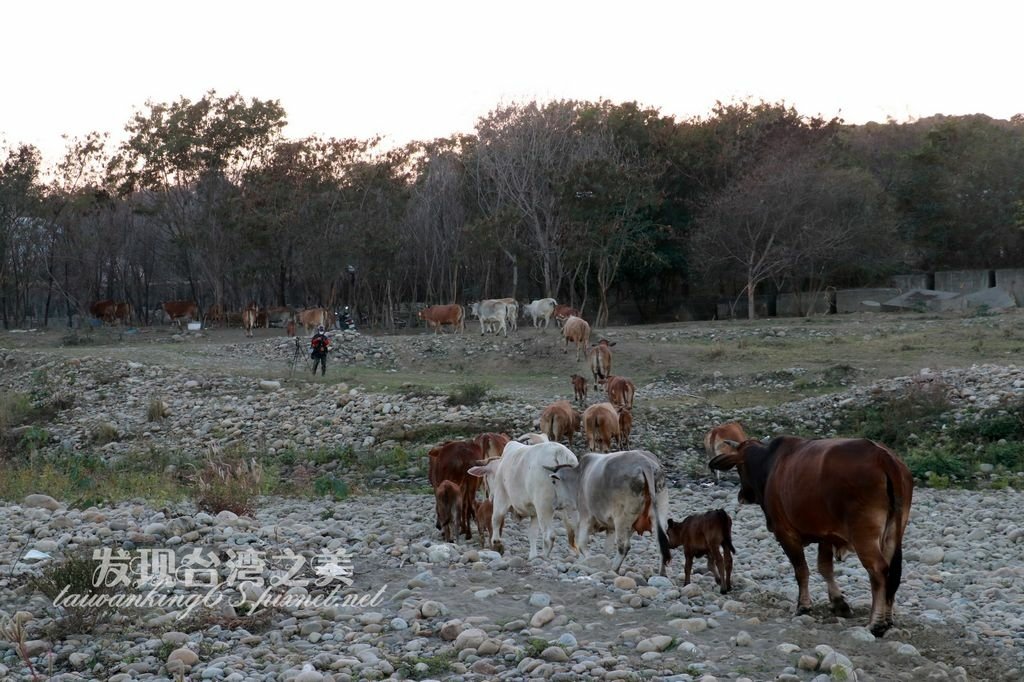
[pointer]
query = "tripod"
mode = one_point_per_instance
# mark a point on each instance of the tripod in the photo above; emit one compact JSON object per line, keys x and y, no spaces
{"x":300,"y":352}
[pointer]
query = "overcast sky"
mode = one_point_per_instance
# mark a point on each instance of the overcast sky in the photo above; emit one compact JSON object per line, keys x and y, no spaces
{"x":419,"y":70}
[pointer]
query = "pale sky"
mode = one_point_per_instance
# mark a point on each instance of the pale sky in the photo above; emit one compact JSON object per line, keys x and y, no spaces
{"x":419,"y":70}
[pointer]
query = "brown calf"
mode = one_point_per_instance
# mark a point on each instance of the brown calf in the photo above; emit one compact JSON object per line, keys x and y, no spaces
{"x":449,"y":503}
{"x":716,"y":437}
{"x":625,"y":427}
{"x":601,"y":362}
{"x":559,"y":421}
{"x":705,"y":535}
{"x":620,"y":390}
{"x":579,"y":388}
{"x":601,"y":426}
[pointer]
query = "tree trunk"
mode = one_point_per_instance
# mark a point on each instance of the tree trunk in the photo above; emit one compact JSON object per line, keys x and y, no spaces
{"x":751,"y":312}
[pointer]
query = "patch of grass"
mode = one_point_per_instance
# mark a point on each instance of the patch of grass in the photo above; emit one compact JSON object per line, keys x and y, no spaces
{"x":329,"y":486}
{"x":436,"y":666}
{"x":74,"y":338}
{"x":157,"y":410}
{"x":229,"y":482}
{"x":104,"y":433}
{"x":433,"y":433}
{"x":468,"y":394}
{"x":80,"y":574}
{"x":895,"y":419}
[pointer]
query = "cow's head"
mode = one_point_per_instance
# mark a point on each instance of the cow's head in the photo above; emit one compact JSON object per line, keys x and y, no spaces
{"x":532,"y":438}
{"x":734,"y":455}
{"x":605,"y":343}
{"x":566,"y":479}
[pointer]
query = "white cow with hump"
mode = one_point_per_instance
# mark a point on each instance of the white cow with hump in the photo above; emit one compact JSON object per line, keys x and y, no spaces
{"x":540,"y":310}
{"x":493,"y":314}
{"x":520,"y":482}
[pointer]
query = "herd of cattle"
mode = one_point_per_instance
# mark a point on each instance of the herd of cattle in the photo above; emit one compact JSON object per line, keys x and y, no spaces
{"x":842,"y":494}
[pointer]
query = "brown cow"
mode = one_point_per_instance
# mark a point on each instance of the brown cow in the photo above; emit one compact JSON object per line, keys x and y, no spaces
{"x":215,"y":313}
{"x":559,"y":420}
{"x":249,"y":318}
{"x":621,"y":391}
{"x":104,"y":310}
{"x":842,"y":493}
{"x":449,"y":506}
{"x":178,"y":310}
{"x":625,"y":427}
{"x":451,"y":461}
{"x":708,"y":535}
{"x":281,"y":315}
{"x":713,"y":440}
{"x":577,"y":330}
{"x":123,"y":313}
{"x":311,"y":318}
{"x":563,"y":313}
{"x":491,"y":444}
{"x":601,"y":362}
{"x":601,"y":425}
{"x":437,"y":315}
{"x":579,"y":387}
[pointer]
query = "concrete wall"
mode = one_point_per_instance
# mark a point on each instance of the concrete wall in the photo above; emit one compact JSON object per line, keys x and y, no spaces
{"x":1012,"y":281}
{"x":908,"y":282}
{"x":851,"y":300}
{"x":962,"y":281}
{"x":798,"y":305}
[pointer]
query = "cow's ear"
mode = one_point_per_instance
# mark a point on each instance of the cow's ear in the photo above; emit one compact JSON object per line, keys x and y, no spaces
{"x":612,"y":343}
{"x":434,"y":453}
{"x":480,"y":472}
{"x":725,"y":461}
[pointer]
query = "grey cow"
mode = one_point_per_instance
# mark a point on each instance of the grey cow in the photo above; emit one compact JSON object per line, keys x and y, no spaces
{"x":618,"y":492}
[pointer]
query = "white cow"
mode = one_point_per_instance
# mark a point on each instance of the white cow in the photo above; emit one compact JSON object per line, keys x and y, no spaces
{"x":493,"y":314}
{"x":541,"y":309}
{"x":519,"y":482}
{"x":619,"y":493}
{"x":511,"y":313}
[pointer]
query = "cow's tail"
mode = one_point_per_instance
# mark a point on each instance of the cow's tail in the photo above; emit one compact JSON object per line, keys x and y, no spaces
{"x":658,"y":516}
{"x":727,"y":530}
{"x":899,"y":488}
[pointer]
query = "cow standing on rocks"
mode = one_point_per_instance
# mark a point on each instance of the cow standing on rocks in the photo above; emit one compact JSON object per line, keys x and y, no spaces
{"x":449,"y":506}
{"x":601,"y":362}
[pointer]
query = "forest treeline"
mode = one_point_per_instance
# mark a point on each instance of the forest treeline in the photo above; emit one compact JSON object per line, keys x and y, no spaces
{"x":611,"y":207}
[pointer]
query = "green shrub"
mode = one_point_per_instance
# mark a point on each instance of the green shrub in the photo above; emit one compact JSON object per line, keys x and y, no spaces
{"x":1007,"y":454}
{"x":468,"y":394}
{"x":893,"y":420}
{"x":329,"y":486}
{"x":78,"y":573}
{"x":937,"y":460}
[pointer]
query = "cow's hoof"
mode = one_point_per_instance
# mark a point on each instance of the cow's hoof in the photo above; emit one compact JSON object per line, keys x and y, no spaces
{"x":803,"y":610}
{"x":499,"y":547}
{"x":725,"y":589}
{"x":841,"y":608}
{"x":879,"y":629}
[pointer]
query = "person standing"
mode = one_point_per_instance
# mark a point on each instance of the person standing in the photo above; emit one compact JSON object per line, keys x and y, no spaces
{"x":321,"y":345}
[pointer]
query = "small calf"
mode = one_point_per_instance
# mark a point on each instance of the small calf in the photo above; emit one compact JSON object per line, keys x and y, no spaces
{"x":449,"y":502}
{"x":625,"y":427}
{"x":705,"y":535}
{"x":579,"y":387}
{"x":482,"y":509}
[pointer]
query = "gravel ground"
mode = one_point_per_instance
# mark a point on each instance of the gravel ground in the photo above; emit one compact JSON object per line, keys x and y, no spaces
{"x":466,"y":612}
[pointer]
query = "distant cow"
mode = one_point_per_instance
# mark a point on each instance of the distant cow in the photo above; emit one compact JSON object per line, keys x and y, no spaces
{"x":511,"y":313}
{"x":279,"y":316}
{"x":181,"y":310}
{"x":601,"y":426}
{"x":437,"y":316}
{"x":708,"y":534}
{"x":576,"y":330}
{"x":215,"y":313}
{"x":559,"y":421}
{"x":519,"y":483}
{"x":579,"y":387}
{"x":714,"y":439}
{"x":540,"y":310}
{"x":249,"y":318}
{"x":450,"y":462}
{"x":842,"y":493}
{"x":618,"y":493}
{"x":493,"y":315}
{"x":563,"y":312}
{"x":601,"y":362}
{"x":491,"y":444}
{"x":104,"y":310}
{"x":123,"y":313}
{"x":312,"y":318}
{"x":620,"y":391}
{"x":449,"y":507}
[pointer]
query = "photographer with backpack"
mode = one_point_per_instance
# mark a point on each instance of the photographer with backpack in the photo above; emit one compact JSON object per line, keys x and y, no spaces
{"x":321,"y":345}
